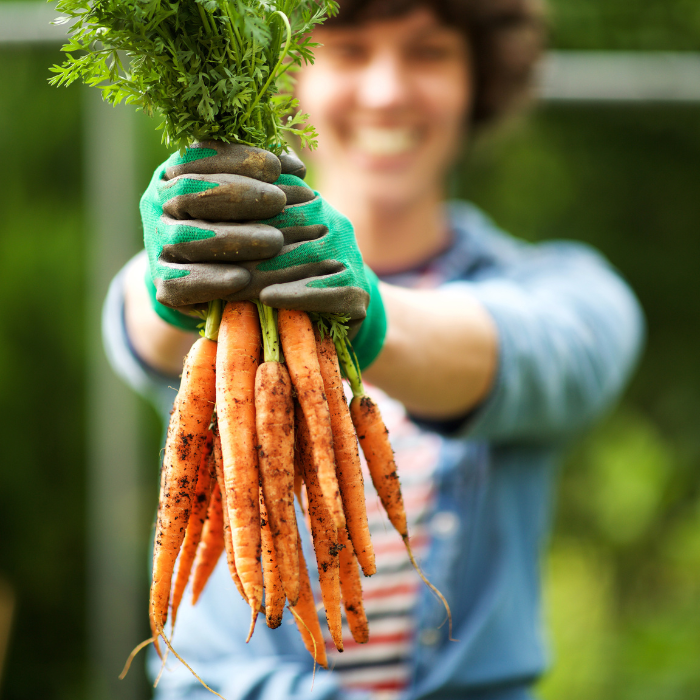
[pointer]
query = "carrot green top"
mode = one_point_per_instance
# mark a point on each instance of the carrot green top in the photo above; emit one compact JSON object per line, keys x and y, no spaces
{"x":209,"y":68}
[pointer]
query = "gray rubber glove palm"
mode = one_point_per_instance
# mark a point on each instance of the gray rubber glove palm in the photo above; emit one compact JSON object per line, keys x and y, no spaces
{"x":188,"y":212}
{"x":196,"y":252}
{"x":319,"y":268}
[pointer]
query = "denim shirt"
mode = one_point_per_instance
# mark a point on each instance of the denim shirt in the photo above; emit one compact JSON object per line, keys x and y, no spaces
{"x":570,"y":332}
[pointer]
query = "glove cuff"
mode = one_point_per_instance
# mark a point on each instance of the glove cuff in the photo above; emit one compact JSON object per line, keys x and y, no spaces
{"x":172,"y":316}
{"x":369,"y":340}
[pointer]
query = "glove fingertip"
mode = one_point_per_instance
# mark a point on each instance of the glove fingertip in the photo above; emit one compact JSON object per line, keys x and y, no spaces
{"x":292,"y":164}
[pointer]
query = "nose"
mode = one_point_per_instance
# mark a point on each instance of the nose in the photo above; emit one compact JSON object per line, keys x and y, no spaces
{"x":384,"y":82}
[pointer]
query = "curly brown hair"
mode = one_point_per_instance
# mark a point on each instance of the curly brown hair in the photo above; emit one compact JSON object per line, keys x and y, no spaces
{"x":506,"y":38}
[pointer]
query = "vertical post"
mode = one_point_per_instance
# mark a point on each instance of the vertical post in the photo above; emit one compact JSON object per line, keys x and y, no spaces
{"x":115,"y":565}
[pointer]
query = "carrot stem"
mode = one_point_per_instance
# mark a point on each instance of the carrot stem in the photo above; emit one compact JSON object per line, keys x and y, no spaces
{"x":213,"y":320}
{"x":268,"y":324}
{"x":336,"y":326}
{"x":349,"y":364}
{"x":273,"y":72}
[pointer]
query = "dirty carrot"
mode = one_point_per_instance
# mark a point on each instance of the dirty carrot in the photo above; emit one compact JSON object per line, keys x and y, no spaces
{"x":306,"y":617}
{"x":298,"y":483}
{"x":374,"y":441}
{"x":351,"y":589}
{"x":299,"y":345}
{"x":237,"y":360}
{"x":195,"y":525}
{"x":187,"y":435}
{"x":324,"y":533}
{"x":274,"y":416}
{"x":228,"y":542}
{"x":347,"y":456}
{"x":274,"y":593}
{"x":211,"y":545}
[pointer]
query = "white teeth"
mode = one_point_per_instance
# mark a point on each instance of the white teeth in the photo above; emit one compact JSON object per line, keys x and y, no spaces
{"x":381,"y":141}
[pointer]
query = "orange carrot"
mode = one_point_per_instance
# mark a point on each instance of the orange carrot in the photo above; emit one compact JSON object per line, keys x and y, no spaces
{"x":195,"y":525}
{"x":325,"y":535}
{"x":298,"y":484}
{"x":228,"y":542}
{"x":299,"y":345}
{"x":187,"y":435}
{"x":274,"y":414}
{"x":351,"y":588}
{"x":374,"y":440}
{"x":210,"y":546}
{"x":237,"y":360}
{"x":305,"y":615}
{"x":347,"y":455}
{"x":274,"y":593}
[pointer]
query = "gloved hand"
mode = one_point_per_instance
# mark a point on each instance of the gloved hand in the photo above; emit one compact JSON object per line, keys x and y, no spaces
{"x":302,"y":255}
{"x":187,"y":214}
{"x":320,"y":269}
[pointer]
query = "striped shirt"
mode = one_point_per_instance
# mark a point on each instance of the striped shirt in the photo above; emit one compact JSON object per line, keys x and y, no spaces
{"x":382,"y":665}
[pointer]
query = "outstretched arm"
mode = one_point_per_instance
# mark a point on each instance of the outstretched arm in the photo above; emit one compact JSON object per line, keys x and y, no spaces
{"x":440,"y":354}
{"x":157,"y":343}
{"x":540,"y":349}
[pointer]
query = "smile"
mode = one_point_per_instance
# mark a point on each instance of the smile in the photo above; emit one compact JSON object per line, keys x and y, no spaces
{"x":384,"y":141}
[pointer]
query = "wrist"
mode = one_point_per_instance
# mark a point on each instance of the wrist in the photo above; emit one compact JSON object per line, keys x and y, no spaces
{"x":369,"y":340}
{"x":166,"y":313}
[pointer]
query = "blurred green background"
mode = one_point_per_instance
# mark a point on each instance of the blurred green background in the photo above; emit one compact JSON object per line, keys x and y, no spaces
{"x":623,"y":570}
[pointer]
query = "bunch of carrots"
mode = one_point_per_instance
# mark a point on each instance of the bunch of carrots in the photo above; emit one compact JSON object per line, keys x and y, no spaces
{"x":251,"y":424}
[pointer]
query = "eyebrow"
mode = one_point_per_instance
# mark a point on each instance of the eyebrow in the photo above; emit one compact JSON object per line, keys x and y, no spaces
{"x":346,"y":32}
{"x":435,"y":29}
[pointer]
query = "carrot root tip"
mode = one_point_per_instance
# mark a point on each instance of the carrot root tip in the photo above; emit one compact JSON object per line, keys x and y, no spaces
{"x":439,"y":595}
{"x":313,"y":641}
{"x":162,"y":668}
{"x":187,"y":666}
{"x":254,"y":617}
{"x":135,"y":651}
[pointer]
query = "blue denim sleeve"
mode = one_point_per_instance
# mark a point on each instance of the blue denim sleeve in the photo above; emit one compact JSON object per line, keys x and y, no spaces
{"x":570,"y":333}
{"x":157,"y":388}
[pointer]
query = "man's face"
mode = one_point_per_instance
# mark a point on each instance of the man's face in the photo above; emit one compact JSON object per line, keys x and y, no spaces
{"x":389,"y":99}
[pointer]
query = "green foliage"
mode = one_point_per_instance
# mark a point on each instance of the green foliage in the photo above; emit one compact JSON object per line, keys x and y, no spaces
{"x":41,"y":377}
{"x":209,"y":68}
{"x":623,"y":590}
{"x":622,"y":580}
{"x":611,"y":25}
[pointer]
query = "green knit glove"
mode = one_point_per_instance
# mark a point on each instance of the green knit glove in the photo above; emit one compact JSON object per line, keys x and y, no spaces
{"x":320,"y":269}
{"x":188,"y":214}
{"x":216,"y":227}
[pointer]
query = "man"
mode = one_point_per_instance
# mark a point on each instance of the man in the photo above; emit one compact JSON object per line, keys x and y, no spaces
{"x":487,"y":354}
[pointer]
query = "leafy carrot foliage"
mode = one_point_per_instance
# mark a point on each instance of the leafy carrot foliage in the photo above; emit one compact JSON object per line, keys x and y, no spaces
{"x":209,"y":68}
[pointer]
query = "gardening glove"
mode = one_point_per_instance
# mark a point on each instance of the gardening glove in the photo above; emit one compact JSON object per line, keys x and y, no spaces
{"x":319,"y":269}
{"x":192,"y":260}
{"x":187,"y":214}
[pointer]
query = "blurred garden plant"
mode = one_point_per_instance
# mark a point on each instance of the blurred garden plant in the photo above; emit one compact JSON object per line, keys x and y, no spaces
{"x":209,"y":68}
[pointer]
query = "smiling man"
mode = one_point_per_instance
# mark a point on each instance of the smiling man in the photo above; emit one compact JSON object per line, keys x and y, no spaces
{"x":487,"y":355}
